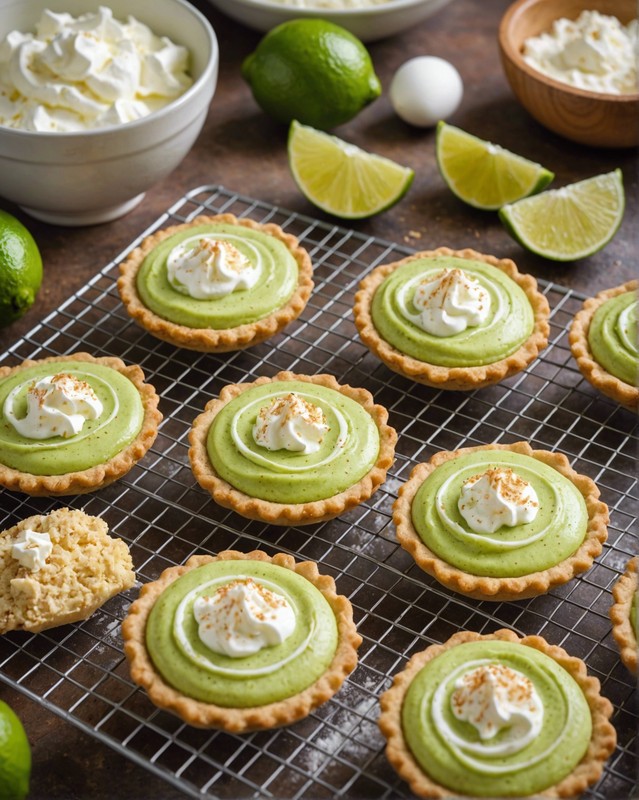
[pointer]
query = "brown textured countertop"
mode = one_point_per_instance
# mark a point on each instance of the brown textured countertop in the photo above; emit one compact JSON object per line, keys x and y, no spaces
{"x":243,"y":150}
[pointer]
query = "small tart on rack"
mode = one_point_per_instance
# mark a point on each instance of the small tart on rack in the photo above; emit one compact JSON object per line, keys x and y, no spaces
{"x":292,"y":449}
{"x":496,"y":716}
{"x":603,"y":341}
{"x":59,"y":568}
{"x":73,"y":424}
{"x":217,"y":283}
{"x":196,"y":639}
{"x":500,"y":522}
{"x":452,"y":319}
{"x":623,"y":614}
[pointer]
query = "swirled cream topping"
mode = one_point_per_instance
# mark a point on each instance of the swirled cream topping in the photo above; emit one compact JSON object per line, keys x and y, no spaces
{"x":92,"y":71}
{"x":595,"y":52}
{"x":57,"y":405}
{"x":495,"y":498}
{"x":450,"y":302}
{"x":290,"y":423}
{"x":208,"y":268}
{"x":31,"y":549}
{"x":493,"y":697}
{"x":243,"y":617}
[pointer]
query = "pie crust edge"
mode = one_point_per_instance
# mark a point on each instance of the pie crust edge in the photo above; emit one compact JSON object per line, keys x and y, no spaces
{"x":290,"y":513}
{"x":453,"y":378}
{"x":101,"y":475}
{"x":240,"y":720}
{"x":211,"y":340}
{"x":625,"y":394}
{"x":588,"y":771}
{"x":502,"y":589}
{"x":623,"y":592}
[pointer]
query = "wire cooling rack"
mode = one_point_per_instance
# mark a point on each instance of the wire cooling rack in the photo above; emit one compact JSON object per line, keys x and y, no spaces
{"x":79,"y":671}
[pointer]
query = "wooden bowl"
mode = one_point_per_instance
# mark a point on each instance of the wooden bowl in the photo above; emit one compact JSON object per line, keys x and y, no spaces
{"x":591,"y":118}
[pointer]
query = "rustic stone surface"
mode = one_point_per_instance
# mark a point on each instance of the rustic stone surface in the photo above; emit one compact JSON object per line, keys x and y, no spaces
{"x":246,"y":152}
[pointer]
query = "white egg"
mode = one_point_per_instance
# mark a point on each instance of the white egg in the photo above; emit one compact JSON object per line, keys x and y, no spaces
{"x":426,"y":89}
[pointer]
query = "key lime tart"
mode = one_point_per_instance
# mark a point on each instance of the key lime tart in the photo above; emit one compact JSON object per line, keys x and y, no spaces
{"x":217,"y":283}
{"x":241,"y":641}
{"x":59,"y":568}
{"x":623,"y":614}
{"x":500,"y":522}
{"x":292,"y":449}
{"x":72,"y":424}
{"x":452,"y":319}
{"x":496,"y":715}
{"x":603,"y":341}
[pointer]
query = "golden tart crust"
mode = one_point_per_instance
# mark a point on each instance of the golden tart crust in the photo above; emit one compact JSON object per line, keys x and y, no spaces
{"x":587,"y":772}
{"x":211,"y":340}
{"x":453,"y":378}
{"x":624,"y":393}
{"x":623,"y":592}
{"x":501,"y":589}
{"x":240,"y":720}
{"x":89,"y":480}
{"x":290,"y":513}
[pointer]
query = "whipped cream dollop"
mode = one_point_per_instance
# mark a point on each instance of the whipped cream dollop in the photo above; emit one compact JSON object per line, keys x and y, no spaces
{"x":243,"y":617}
{"x":492,"y":697}
{"x":31,"y":549}
{"x":497,"y":497}
{"x":91,"y":71}
{"x":208,"y":268}
{"x":57,"y":405}
{"x":290,"y":423}
{"x":451,"y":302}
{"x":595,"y":52}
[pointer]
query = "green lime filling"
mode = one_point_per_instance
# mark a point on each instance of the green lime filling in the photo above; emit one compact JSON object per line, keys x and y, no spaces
{"x":556,"y":532}
{"x":99,"y":440}
{"x":450,"y":750}
{"x":274,"y":673}
{"x":348,"y":450}
{"x":612,"y":337}
{"x":279,"y":277}
{"x":510,"y":323}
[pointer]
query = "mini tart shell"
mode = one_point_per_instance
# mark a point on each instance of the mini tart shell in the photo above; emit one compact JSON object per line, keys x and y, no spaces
{"x":101,"y":475}
{"x":453,"y":378}
{"x":587,"y":772}
{"x":240,"y":720}
{"x":623,"y":592}
{"x":290,"y":513}
{"x":212,"y":340}
{"x":502,"y":589}
{"x":624,"y":393}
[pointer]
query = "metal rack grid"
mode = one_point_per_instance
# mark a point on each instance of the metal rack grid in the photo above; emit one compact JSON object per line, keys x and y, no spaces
{"x":79,"y":671}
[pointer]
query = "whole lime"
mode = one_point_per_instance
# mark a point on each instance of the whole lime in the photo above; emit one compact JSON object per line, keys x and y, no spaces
{"x":15,"y":756}
{"x":20,"y":269}
{"x":313,"y":71}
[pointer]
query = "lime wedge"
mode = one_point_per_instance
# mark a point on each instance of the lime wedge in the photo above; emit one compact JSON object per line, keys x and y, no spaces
{"x":483,"y":174}
{"x":568,"y":223}
{"x":342,"y":179}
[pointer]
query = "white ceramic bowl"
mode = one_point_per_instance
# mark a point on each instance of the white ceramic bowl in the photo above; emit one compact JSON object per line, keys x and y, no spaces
{"x":99,"y":175}
{"x":368,"y":23}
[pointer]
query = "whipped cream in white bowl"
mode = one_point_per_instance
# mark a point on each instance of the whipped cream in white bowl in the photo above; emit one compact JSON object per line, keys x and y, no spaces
{"x":369,"y":20}
{"x":82,"y":173}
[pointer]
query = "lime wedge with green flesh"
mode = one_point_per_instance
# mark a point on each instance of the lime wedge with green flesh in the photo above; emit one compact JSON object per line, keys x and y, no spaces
{"x":342,"y":179}
{"x":568,"y":223}
{"x":483,"y":174}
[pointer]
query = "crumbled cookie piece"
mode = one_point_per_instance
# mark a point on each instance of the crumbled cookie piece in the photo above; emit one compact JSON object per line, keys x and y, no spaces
{"x":64,"y":581}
